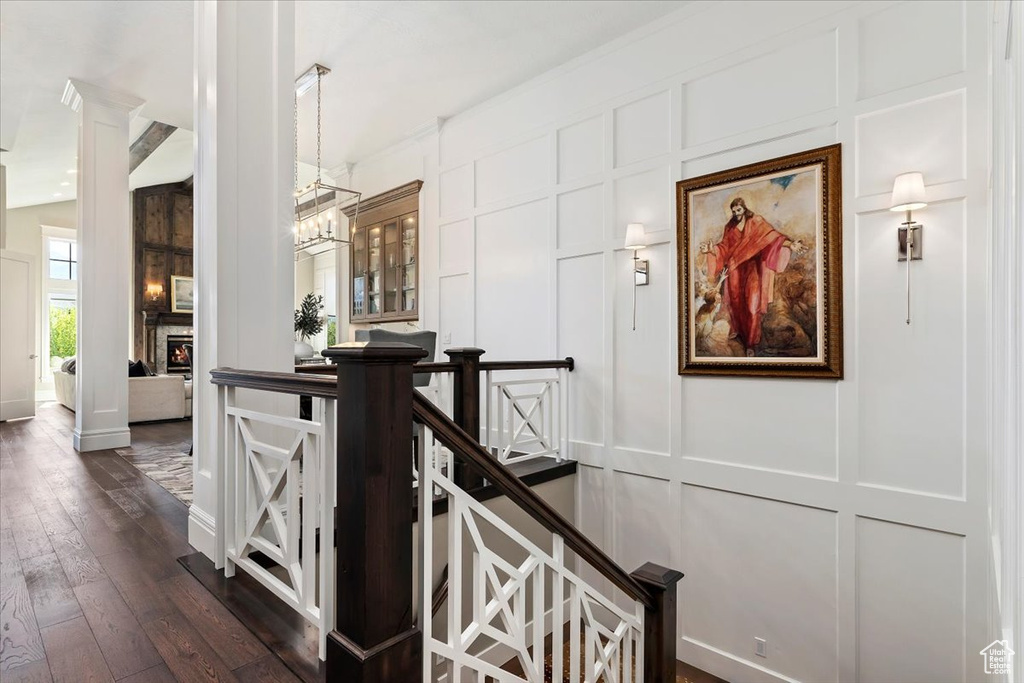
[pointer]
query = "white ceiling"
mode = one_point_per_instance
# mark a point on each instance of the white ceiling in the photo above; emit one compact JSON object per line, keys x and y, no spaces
{"x":398,"y":65}
{"x":395,"y":66}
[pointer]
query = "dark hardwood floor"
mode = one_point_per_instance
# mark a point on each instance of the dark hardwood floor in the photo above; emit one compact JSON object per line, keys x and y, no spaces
{"x":90,"y":589}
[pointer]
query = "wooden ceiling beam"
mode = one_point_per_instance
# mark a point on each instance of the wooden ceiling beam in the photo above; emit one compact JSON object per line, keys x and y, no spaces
{"x":147,"y":143}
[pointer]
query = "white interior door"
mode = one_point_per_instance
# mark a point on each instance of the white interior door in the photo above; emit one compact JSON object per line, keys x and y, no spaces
{"x":17,"y":335}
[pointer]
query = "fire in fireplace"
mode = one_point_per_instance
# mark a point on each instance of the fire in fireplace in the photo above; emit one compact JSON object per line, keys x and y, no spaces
{"x":177,"y":360}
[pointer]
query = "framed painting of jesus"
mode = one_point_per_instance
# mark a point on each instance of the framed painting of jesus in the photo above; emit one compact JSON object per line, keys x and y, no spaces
{"x":760,"y":269}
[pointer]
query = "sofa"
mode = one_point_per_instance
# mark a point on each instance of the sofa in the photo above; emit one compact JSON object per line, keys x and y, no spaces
{"x":162,"y":397}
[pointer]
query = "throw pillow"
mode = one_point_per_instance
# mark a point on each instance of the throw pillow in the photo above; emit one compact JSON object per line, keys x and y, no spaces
{"x":137,"y":369}
{"x":68,"y":366}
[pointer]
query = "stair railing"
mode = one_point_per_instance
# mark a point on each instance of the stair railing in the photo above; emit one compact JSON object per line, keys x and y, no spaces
{"x":277,"y":483}
{"x":377,"y":629}
{"x":519,"y":599}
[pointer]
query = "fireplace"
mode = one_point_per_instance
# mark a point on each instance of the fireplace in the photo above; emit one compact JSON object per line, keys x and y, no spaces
{"x":177,"y":359}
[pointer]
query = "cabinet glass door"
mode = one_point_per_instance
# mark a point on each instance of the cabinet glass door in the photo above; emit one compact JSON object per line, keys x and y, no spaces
{"x":373,"y":275}
{"x":409,"y":264}
{"x":392,"y":268}
{"x":358,"y":273}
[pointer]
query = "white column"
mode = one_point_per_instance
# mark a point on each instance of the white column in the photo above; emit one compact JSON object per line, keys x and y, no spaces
{"x":104,"y":265}
{"x":244,"y":257}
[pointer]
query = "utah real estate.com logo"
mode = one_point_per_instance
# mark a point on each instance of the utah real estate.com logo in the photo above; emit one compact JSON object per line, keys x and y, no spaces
{"x":998,"y":658}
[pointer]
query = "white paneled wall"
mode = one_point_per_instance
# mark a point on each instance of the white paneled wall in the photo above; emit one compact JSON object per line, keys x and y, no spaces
{"x":842,"y":522}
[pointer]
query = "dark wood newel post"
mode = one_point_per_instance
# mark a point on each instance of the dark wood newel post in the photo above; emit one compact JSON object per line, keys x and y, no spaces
{"x":659,"y":622}
{"x":374,"y":638}
{"x":466,"y":406}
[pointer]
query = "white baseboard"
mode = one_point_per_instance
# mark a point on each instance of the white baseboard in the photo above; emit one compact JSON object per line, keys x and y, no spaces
{"x":202,"y":534}
{"x":725,"y":664}
{"x":102,"y":439}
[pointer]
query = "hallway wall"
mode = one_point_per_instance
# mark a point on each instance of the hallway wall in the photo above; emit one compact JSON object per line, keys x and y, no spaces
{"x":843,"y":522}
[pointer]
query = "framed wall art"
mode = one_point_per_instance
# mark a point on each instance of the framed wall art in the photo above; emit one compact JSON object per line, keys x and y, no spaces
{"x":182,"y":294}
{"x":760,"y":269}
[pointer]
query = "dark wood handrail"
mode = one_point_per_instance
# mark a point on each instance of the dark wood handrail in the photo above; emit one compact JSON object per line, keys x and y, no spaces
{"x":317,"y":369}
{"x":568,"y":363}
{"x":463,"y":446}
{"x":278,"y":382}
{"x":419,"y":368}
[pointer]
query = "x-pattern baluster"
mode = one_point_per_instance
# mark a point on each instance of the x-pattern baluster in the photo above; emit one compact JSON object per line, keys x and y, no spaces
{"x":530,"y":417}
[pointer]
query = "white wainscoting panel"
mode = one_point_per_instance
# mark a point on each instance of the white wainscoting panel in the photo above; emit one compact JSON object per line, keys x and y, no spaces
{"x":590,"y":510}
{"x":910,"y":621}
{"x":927,"y":136}
{"x":581,"y":327}
{"x":748,"y":562}
{"x":512,"y":172}
{"x":456,"y":244}
{"x":747,"y":150}
{"x":765,"y":424}
{"x":643,"y":363}
{"x":581,"y":149}
{"x":934,"y":50}
{"x":513,"y":282}
{"x":780,"y":85}
{"x":456,"y":190}
{"x":641,"y":129}
{"x":646,"y":198}
{"x":581,"y":216}
{"x":643,"y":527}
{"x":912,"y":376}
{"x":456,"y":314}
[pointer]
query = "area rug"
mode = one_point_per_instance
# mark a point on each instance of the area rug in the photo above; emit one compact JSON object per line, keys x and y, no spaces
{"x":165,"y":464}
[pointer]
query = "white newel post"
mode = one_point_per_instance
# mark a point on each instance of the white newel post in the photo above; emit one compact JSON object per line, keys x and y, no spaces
{"x":104,"y":273}
{"x":244,"y":259}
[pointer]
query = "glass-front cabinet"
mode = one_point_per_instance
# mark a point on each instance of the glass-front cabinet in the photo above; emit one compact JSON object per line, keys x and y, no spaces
{"x":358,"y":274}
{"x":385,"y":258}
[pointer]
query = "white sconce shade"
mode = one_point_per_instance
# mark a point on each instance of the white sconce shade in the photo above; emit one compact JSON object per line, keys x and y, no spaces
{"x":635,"y":236}
{"x":908,"y":193}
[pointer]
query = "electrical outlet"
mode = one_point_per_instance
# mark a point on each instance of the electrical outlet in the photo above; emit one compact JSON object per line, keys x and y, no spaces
{"x":761,"y":647}
{"x":447,"y":337}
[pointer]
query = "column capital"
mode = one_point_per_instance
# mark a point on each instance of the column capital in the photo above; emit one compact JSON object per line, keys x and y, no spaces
{"x":77,"y":91}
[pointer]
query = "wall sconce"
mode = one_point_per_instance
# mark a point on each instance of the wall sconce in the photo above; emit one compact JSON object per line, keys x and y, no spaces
{"x":154,"y":292}
{"x":907,"y":195}
{"x":641,"y":267}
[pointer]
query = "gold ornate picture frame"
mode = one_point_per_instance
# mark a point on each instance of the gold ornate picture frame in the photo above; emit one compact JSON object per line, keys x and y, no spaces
{"x":760,"y":268}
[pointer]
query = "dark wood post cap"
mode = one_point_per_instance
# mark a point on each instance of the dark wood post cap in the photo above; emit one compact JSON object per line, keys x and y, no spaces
{"x":656,"y":576}
{"x":464,"y":351}
{"x":374,"y":352}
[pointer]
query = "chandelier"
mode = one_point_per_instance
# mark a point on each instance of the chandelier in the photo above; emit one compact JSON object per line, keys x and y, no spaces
{"x":318,"y":205}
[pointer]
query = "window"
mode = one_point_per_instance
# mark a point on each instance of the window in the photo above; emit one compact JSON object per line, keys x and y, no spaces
{"x":63,"y":331}
{"x":63,"y":260}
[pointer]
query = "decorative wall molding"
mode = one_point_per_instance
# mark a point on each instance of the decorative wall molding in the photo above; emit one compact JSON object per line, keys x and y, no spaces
{"x":651,"y":444}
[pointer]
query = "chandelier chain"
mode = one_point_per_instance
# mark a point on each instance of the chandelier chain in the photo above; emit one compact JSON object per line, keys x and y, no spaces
{"x":317,"y":126}
{"x":295,"y":120}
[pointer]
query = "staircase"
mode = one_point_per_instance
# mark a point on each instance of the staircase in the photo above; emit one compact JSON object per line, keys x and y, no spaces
{"x":527,"y":597}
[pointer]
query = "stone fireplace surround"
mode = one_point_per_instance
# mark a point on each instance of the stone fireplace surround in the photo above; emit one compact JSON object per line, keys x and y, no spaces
{"x":162,"y":332}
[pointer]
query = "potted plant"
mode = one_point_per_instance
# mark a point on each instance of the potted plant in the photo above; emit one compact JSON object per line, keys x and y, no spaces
{"x":308,"y":323}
